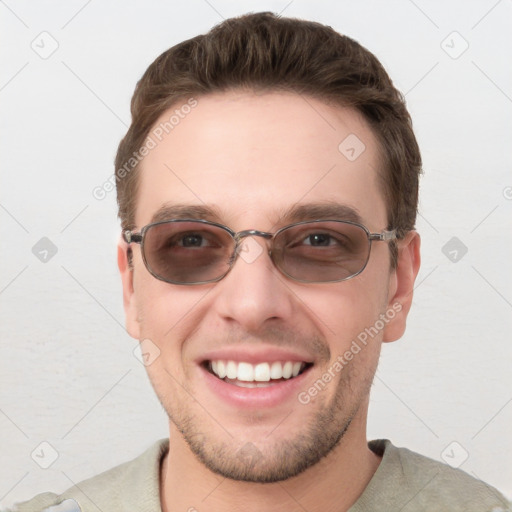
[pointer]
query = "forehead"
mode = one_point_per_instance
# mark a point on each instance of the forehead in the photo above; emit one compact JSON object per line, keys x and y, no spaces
{"x":252,"y":158}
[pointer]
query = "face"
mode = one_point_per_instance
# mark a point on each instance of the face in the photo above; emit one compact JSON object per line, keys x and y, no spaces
{"x":253,"y":162}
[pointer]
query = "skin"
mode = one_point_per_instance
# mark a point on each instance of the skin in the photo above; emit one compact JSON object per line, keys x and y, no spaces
{"x":251,"y":174}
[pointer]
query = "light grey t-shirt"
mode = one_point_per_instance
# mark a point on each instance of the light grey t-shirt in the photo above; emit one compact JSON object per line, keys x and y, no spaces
{"x":404,"y":482}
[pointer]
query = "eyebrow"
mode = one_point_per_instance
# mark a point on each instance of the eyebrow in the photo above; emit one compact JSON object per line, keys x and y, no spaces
{"x":185,"y":211}
{"x":297,"y":213}
{"x":324,"y":210}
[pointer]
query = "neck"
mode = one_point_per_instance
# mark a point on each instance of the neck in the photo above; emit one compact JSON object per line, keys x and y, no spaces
{"x":334,"y":483}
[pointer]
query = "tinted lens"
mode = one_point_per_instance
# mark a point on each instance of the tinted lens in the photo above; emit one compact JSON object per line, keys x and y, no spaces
{"x":184,"y":252}
{"x":324,"y":251}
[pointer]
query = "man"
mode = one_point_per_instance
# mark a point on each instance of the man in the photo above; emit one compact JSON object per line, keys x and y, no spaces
{"x":267,"y":191}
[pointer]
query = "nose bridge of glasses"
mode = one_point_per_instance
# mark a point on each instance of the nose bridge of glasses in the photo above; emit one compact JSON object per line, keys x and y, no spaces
{"x":240,"y":247}
{"x":251,"y":232}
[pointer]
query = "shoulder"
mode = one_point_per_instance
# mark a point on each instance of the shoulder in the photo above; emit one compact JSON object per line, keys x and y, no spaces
{"x":414,"y":482}
{"x":131,"y":485}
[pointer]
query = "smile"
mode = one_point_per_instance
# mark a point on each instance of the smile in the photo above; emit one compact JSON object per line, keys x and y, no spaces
{"x":263,"y":374}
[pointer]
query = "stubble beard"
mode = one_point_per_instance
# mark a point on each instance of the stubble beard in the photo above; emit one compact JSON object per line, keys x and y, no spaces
{"x":283,"y":459}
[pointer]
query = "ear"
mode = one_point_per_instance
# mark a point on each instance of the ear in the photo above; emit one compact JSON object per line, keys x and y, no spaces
{"x":129,"y":299}
{"x":401,"y":285}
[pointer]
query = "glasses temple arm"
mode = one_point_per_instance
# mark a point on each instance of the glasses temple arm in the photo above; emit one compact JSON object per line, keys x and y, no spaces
{"x":384,"y":236}
{"x":132,"y":238}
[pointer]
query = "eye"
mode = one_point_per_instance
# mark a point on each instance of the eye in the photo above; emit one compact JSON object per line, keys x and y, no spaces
{"x":192,"y":240}
{"x":319,"y":240}
{"x":328,"y":239}
{"x":196,"y":239}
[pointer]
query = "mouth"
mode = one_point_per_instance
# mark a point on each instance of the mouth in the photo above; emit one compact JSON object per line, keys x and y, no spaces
{"x":250,"y":377}
{"x":260,"y":375}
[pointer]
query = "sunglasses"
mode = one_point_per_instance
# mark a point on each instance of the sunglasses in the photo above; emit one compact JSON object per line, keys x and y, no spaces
{"x":186,"y":252}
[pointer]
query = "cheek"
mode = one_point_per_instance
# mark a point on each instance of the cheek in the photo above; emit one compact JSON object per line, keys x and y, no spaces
{"x":163,"y":319}
{"x":168,"y":314}
{"x":160,"y":305}
{"x":344,"y":310}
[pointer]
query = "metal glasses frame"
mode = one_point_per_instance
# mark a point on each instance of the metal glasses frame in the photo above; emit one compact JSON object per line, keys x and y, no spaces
{"x":130,"y":237}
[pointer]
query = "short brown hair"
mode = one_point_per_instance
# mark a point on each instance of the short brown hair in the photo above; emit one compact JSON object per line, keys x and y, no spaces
{"x":265,"y":52}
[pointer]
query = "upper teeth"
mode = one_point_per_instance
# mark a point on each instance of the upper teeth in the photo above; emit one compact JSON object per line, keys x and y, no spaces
{"x":261,"y":372}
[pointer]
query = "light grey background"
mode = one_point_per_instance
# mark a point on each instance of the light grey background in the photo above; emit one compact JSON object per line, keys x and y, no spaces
{"x":68,"y":374}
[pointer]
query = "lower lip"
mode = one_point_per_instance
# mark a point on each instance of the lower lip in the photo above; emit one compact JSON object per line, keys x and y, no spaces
{"x":253,"y":398}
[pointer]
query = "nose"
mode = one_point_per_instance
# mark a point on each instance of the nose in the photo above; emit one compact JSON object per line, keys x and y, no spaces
{"x":254,"y":292}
